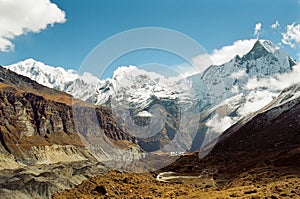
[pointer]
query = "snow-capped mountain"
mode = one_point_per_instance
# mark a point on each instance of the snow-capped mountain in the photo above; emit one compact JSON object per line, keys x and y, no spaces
{"x":80,"y":86}
{"x":129,"y":85}
{"x":211,"y":86}
{"x":224,"y":81}
{"x":137,"y":88}
{"x":222,"y":91}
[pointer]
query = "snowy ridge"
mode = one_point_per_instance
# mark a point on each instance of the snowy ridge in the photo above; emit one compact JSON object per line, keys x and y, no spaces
{"x":46,"y":75}
{"x":269,"y":46}
{"x":137,"y":88}
{"x":129,"y":85}
{"x":80,"y":86}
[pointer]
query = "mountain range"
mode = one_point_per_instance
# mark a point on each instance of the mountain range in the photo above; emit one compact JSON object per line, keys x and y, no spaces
{"x":51,"y":115}
{"x":220,"y":93}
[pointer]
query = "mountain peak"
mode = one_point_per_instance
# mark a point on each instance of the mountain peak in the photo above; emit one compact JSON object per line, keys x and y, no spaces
{"x":30,"y":62}
{"x":268,"y":45}
{"x":261,"y":48}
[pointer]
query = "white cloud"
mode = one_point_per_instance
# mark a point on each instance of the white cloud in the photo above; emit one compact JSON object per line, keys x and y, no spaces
{"x":226,"y":53}
{"x":275,"y":25}
{"x":217,"y":57}
{"x":197,"y":65}
{"x":219,"y":124}
{"x":278,"y":82}
{"x":255,"y":100}
{"x":18,"y":17}
{"x":292,"y":35}
{"x":257,"y":30}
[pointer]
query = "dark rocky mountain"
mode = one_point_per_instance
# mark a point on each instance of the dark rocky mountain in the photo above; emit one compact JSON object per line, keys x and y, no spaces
{"x":276,"y":127}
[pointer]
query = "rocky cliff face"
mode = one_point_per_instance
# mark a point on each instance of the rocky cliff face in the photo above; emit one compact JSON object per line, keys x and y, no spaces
{"x":37,"y":124}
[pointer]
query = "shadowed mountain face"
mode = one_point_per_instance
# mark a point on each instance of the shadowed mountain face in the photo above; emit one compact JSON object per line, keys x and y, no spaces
{"x":275,"y":127}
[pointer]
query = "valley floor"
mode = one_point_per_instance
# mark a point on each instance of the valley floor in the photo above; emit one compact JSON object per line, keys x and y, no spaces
{"x":258,"y":183}
{"x":272,"y":175}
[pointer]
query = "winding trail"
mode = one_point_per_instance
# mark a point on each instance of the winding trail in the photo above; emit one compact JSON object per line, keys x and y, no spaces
{"x":166,"y":176}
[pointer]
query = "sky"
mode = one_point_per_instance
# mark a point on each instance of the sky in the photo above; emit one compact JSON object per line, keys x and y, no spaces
{"x":63,"y":33}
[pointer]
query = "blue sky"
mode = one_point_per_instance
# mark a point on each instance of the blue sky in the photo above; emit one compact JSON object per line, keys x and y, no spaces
{"x":212,"y":23}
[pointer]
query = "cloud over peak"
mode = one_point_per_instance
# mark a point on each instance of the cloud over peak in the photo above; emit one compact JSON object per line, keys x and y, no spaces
{"x":225,"y":54}
{"x":275,"y":25}
{"x":257,"y":30}
{"x":18,"y":17}
{"x":217,"y":57}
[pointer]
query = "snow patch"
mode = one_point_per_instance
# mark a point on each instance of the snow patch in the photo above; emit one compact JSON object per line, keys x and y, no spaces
{"x":238,"y":74}
{"x":144,"y":114}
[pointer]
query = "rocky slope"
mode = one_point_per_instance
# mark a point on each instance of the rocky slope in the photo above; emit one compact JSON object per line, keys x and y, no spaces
{"x":42,"y":181}
{"x":37,"y":124}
